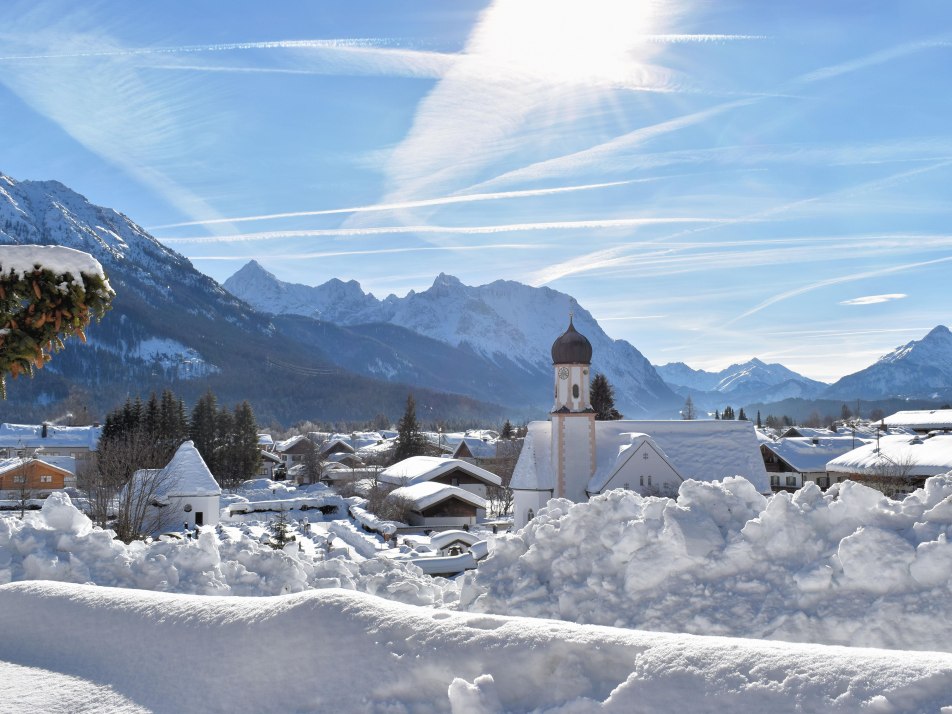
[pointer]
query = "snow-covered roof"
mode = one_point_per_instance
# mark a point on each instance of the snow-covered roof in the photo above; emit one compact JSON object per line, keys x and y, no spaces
{"x":29,"y":436}
{"x":479,"y":448}
{"x":185,"y":475}
{"x":265,"y":440}
{"x":625,"y":452}
{"x":428,"y":493}
{"x":899,"y":455}
{"x":268,"y":456}
{"x":337,"y":442}
{"x":806,"y":431}
{"x":811,"y":455}
{"x":921,"y":420}
{"x":705,"y":450}
{"x":282,"y":446}
{"x":444,"y":538}
{"x":418,"y":469}
{"x":7,"y":465}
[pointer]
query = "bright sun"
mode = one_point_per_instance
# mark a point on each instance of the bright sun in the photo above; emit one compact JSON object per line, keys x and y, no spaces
{"x":575,"y":41}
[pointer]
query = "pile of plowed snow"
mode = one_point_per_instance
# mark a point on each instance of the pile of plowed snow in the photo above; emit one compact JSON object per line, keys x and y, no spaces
{"x":100,"y":649}
{"x":847,"y":566}
{"x":60,"y":543}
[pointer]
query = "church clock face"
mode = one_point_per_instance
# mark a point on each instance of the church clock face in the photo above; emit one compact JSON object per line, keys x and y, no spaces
{"x":563,"y":373}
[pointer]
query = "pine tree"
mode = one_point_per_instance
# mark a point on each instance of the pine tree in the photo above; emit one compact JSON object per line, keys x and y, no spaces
{"x":717,"y":414}
{"x":280,"y":531}
{"x":409,"y":439}
{"x":247,"y":455}
{"x":688,"y":412}
{"x":311,"y":463}
{"x":506,"y":432}
{"x":203,"y":428}
{"x":759,"y":424}
{"x":602,"y":396}
{"x":728,"y":413}
{"x":741,"y":416}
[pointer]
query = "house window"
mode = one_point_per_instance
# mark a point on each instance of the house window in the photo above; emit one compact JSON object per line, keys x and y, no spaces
{"x":823,"y":481}
{"x":774,"y":480}
{"x":645,"y":479}
{"x":19,"y":479}
{"x":46,"y":478}
{"x":530,"y":515}
{"x":187,"y":508}
{"x":791,"y":481}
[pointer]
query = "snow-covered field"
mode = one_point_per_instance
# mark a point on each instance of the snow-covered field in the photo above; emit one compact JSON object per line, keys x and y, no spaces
{"x":103,"y":649}
{"x":351,"y":631}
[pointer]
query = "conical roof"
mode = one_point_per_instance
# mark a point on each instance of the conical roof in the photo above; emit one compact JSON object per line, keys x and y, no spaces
{"x":572,"y":347}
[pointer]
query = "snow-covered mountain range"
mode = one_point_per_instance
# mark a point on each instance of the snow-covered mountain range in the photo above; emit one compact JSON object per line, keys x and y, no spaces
{"x":749,"y":382}
{"x":173,"y":327}
{"x":504,"y":323}
{"x":920,"y":368}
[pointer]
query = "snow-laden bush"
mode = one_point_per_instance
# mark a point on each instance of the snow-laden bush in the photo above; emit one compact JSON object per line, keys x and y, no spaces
{"x":61,"y":543}
{"x":843,"y":567}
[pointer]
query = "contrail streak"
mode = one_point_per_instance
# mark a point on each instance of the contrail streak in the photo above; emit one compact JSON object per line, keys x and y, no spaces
{"x":446,"y":200}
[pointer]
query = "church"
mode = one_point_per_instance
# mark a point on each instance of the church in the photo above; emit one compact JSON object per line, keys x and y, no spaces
{"x":574,"y":456}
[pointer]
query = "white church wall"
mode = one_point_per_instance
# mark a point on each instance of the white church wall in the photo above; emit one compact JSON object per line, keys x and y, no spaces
{"x":526,"y":501}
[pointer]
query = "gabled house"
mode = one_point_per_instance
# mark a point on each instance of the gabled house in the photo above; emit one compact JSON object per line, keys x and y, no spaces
{"x":793,"y":461}
{"x":25,"y":440}
{"x":34,"y":476}
{"x":292,"y":450}
{"x":921,"y":421}
{"x":434,"y":504}
{"x":451,"y":472}
{"x":896,"y":463}
{"x":269,"y":462}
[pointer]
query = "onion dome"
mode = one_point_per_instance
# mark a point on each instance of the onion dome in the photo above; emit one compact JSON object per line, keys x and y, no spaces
{"x":572,"y":347}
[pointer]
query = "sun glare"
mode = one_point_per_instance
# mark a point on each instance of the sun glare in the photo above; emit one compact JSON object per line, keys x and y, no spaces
{"x":590,"y":41}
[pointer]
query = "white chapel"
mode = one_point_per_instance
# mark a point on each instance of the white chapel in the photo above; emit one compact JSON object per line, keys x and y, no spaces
{"x":574,"y":456}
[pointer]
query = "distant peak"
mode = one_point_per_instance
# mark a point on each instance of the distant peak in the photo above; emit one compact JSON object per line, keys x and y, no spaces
{"x":938,"y":331}
{"x":253,"y":267}
{"x":446,"y":281}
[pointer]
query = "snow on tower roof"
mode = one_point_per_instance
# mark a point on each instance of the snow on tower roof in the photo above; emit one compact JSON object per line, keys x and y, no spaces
{"x":707,"y":450}
{"x":418,"y":469}
{"x":912,"y":455}
{"x":185,"y":475}
{"x":428,"y":493}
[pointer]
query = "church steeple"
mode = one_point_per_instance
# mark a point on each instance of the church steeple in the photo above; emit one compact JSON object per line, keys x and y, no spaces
{"x":571,"y":358}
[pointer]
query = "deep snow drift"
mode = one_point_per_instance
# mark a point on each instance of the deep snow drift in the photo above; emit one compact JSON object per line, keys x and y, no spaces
{"x":843,"y":567}
{"x":61,"y":543}
{"x":340,"y":651}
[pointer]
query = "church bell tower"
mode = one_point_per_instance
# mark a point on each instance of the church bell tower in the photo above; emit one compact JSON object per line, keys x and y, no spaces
{"x":573,"y":419}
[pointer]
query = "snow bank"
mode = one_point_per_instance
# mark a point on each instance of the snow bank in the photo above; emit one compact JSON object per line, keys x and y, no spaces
{"x":60,"y":543}
{"x":348,"y":652}
{"x":843,"y":567}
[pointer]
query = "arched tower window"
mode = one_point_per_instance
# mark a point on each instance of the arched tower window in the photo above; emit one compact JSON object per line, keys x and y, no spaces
{"x":575,"y":391}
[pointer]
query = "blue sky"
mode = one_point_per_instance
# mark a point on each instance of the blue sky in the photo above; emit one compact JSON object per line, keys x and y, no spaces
{"x":712,"y":180}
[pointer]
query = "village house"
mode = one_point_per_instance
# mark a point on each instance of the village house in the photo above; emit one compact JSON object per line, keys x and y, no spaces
{"x":79,"y":442}
{"x":921,"y":421}
{"x":451,"y":472}
{"x":793,"y":461}
{"x":32,"y":476}
{"x":574,"y":456}
{"x":434,"y":505}
{"x":896,"y":464}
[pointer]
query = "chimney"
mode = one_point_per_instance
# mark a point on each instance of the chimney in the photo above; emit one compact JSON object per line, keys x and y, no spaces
{"x":45,"y":432}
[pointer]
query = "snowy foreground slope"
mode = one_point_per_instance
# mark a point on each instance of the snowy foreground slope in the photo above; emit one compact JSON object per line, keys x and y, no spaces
{"x":340,"y":651}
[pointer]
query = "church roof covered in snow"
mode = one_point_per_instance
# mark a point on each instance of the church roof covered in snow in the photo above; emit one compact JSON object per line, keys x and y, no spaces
{"x":705,"y":450}
{"x":899,"y":455}
{"x":811,"y":455}
{"x":418,"y":469}
{"x":428,"y":493}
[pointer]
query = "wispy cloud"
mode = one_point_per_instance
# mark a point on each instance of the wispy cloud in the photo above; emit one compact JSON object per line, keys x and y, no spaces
{"x":874,"y":299}
{"x":872,"y":60}
{"x":379,"y":251}
{"x":444,"y":201}
{"x":853,"y":277}
{"x":607,"y":223}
